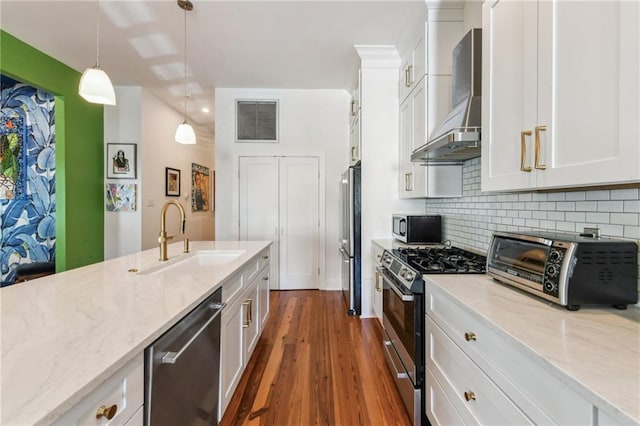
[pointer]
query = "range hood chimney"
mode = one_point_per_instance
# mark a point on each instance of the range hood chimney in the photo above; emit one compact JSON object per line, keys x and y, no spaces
{"x":458,"y":137}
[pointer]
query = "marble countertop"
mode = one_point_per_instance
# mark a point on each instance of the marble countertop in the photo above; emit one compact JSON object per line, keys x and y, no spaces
{"x":596,"y":351}
{"x":64,"y":334}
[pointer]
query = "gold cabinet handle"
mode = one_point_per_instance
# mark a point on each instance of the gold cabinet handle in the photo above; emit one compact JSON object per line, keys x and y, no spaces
{"x":265,"y":257}
{"x":470,"y":396}
{"x":470,"y":336}
{"x":353,"y":108}
{"x":523,"y":150}
{"x":107,"y":412}
{"x":537,"y":162}
{"x":247,"y":321}
{"x":354,"y":153}
{"x":265,"y":278}
{"x":406,"y":77}
{"x":410,"y":73}
{"x":250,"y":311}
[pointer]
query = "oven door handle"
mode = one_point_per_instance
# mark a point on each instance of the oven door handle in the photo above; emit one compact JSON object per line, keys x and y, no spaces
{"x":388,"y":347}
{"x":402,"y":296}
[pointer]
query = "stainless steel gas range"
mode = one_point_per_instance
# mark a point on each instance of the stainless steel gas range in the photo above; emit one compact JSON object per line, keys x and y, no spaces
{"x":403,"y":312}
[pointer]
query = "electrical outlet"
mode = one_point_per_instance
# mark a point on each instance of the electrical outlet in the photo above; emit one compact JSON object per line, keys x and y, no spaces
{"x":150,"y":202}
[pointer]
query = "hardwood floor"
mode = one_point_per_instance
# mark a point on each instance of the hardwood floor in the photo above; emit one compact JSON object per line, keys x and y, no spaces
{"x":315,"y":365}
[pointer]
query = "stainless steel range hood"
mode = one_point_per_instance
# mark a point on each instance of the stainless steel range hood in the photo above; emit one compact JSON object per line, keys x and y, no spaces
{"x":458,"y":137}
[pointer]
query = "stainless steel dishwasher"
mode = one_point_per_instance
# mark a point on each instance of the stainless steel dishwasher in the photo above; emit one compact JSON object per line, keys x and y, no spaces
{"x":182,"y":369}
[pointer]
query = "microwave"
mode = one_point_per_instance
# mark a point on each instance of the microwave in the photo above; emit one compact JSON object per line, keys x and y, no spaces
{"x":567,"y":269}
{"x":417,"y":229}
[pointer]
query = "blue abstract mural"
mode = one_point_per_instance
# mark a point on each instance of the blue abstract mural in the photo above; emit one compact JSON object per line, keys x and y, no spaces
{"x":27,"y":177}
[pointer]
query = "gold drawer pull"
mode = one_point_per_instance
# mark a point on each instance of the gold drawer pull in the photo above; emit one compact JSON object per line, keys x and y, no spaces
{"x":107,"y":412}
{"x":470,"y":396}
{"x":247,"y":315}
{"x":523,"y":150}
{"x":470,"y":336}
{"x":537,"y":162}
{"x":265,"y":257}
{"x":265,"y":278}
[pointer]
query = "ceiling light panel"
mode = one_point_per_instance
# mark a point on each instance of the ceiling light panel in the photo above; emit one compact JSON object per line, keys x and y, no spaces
{"x":171,"y":71}
{"x":126,"y":14}
{"x":154,"y":46}
{"x":193,"y":89}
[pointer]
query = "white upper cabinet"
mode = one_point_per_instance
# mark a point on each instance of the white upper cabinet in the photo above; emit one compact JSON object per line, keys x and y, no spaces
{"x":413,"y":63}
{"x":425,"y":101}
{"x":355,"y":139}
{"x":561,"y":94}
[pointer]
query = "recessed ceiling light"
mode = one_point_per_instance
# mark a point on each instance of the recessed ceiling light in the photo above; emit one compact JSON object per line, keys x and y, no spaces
{"x":205,"y":110}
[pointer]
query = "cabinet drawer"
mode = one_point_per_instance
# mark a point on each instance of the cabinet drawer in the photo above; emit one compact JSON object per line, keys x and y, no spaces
{"x":125,"y":390}
{"x":534,"y":388}
{"x":476,"y":397}
{"x":440,"y":410}
{"x":232,"y":289}
{"x":254,"y":266}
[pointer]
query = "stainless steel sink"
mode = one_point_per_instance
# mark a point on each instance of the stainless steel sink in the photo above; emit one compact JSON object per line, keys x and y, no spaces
{"x":200,"y":261}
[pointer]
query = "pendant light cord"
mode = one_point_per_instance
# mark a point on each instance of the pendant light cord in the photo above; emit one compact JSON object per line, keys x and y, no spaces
{"x":97,"y":33}
{"x":185,"y":65}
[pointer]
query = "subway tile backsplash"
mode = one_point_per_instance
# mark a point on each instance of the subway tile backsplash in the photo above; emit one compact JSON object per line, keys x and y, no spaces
{"x":470,"y":221}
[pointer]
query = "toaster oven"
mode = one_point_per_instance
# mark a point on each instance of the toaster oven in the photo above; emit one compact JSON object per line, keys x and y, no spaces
{"x":567,"y":269}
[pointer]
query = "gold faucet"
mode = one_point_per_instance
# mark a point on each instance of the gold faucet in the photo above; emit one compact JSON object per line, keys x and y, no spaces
{"x":163,"y":238}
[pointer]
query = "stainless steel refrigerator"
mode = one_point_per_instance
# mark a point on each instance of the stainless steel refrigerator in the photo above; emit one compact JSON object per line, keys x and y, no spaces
{"x":350,"y":248}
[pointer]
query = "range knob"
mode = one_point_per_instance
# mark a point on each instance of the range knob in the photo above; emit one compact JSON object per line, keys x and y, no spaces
{"x":549,"y":286}
{"x":387,"y":259}
{"x":408,"y":276}
{"x":403,"y":271}
{"x":552,"y":271}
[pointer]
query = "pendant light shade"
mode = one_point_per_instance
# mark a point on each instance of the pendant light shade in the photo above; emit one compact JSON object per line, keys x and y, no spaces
{"x":184,"y":132}
{"x":95,"y":85}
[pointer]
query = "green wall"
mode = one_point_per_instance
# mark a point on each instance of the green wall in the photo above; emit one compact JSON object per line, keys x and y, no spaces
{"x":79,"y":152}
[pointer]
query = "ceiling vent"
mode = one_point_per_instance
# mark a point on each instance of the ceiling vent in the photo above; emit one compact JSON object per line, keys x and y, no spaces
{"x":256,"y":121}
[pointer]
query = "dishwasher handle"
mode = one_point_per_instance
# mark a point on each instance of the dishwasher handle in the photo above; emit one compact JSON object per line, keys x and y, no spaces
{"x":171,"y":357}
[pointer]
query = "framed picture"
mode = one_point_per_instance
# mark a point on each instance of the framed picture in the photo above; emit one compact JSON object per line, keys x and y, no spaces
{"x":121,"y":160}
{"x":200,"y":193}
{"x":120,"y":197}
{"x":172,"y":182}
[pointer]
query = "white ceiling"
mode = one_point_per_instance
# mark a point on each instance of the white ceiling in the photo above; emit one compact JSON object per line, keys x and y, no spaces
{"x":241,"y":44}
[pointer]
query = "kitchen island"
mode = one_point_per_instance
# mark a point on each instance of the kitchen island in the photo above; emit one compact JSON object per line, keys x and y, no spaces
{"x":65,"y":334}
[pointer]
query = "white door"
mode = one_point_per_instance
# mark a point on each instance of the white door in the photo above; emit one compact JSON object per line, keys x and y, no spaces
{"x":299,"y":222}
{"x":259,"y":205}
{"x":279,"y":201}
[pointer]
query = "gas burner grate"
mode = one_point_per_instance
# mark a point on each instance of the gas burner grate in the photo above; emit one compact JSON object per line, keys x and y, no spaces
{"x":449,"y":260}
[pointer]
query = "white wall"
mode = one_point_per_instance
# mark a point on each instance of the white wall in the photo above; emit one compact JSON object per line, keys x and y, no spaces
{"x":122,"y":124}
{"x":312,"y":123}
{"x":141,"y":118}
{"x":159,"y":151}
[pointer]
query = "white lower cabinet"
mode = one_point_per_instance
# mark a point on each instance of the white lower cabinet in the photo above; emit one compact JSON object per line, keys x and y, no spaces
{"x":466,"y":386}
{"x":242,"y":322}
{"x":117,"y":401}
{"x":486,"y":377}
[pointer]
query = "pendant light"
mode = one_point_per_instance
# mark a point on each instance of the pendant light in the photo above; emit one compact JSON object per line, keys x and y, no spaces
{"x":184,"y":132}
{"x":95,"y":85}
